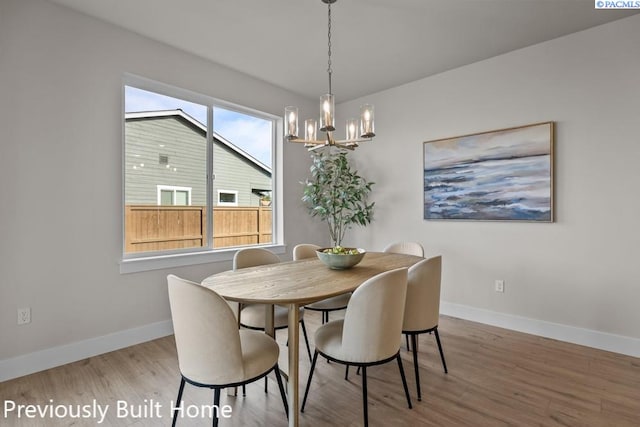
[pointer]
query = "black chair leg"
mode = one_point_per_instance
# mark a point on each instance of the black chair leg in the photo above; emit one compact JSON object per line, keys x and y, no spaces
{"x":216,"y":406}
{"x":346,"y":373}
{"x":244,"y":390}
{"x":415,"y":365}
{"x":266,"y":384}
{"x":178,"y":402}
{"x":282,"y":393}
{"x":407,"y":338}
{"x":364,"y":396}
{"x":444,"y":364}
{"x":306,"y":391}
{"x":306,"y":339}
{"x":404,"y":380}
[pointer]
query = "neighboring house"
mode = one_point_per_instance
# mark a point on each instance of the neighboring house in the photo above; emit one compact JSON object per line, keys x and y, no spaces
{"x":165,"y":162}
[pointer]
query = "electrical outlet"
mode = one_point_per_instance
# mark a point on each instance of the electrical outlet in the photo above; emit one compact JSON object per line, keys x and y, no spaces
{"x":24,"y":316}
{"x":499,"y":285}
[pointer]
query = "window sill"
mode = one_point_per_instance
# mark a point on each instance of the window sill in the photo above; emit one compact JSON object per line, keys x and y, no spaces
{"x":159,"y":262}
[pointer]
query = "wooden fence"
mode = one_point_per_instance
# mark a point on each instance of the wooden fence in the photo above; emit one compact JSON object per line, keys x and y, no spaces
{"x":155,"y":228}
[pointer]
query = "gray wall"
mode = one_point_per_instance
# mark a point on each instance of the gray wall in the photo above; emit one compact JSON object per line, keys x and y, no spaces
{"x":581,"y":271}
{"x":61,"y":169}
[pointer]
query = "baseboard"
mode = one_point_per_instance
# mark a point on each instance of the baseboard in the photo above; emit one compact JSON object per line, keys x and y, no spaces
{"x":61,"y":355}
{"x":587,"y":337}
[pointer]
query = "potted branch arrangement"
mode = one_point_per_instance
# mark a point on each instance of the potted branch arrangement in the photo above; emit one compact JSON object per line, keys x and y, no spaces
{"x":338,"y":195}
{"x":265,"y":200}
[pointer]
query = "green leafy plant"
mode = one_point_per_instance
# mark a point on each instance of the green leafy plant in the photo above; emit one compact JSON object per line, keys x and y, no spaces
{"x":337,"y":194}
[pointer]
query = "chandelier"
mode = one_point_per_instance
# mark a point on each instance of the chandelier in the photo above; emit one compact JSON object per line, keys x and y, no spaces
{"x":355,"y":133}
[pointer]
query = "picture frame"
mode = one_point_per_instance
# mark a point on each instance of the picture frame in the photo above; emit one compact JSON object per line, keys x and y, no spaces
{"x":498,"y":175}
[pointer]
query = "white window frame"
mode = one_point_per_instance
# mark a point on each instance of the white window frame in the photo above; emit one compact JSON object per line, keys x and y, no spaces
{"x":145,"y":261}
{"x":221,"y":203}
{"x":173,"y":188}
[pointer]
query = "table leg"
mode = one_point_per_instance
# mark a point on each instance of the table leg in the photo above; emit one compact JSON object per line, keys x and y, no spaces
{"x":269,"y":327}
{"x":292,"y":384}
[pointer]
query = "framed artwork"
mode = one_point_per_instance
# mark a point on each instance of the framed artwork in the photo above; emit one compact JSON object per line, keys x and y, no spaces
{"x":500,"y":175}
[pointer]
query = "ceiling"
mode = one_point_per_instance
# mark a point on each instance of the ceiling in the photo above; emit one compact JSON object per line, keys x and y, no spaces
{"x":377,"y":44}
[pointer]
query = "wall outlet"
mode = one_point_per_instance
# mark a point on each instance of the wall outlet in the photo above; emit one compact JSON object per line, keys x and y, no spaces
{"x":499,"y":285}
{"x":24,"y":316}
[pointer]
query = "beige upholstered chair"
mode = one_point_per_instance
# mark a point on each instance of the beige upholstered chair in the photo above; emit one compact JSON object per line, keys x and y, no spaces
{"x":304,"y":251}
{"x":212,"y":352}
{"x":339,"y":302}
{"x":370,"y":332}
{"x":407,"y":248}
{"x":252,"y":316}
{"x":422,"y":309}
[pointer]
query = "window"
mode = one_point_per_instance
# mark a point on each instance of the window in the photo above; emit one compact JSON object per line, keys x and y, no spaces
{"x":227,"y":198}
{"x":173,"y":141}
{"x":174,"y":196}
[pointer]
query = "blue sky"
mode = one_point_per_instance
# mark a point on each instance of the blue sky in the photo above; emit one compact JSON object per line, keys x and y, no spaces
{"x":252,"y":134}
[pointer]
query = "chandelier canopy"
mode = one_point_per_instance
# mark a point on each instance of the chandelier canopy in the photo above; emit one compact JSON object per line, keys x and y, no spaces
{"x":355,"y":132}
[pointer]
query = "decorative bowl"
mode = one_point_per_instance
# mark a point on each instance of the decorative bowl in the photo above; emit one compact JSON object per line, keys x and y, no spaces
{"x":340,"y":261}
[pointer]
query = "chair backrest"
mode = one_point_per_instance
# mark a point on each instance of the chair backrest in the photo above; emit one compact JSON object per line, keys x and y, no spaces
{"x":372,"y":328}
{"x":251,"y":257}
{"x":305,"y":250}
{"x":407,"y":248}
{"x":422,"y":309}
{"x":206,"y":333}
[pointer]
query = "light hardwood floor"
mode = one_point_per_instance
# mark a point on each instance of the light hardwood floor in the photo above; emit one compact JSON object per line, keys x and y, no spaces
{"x":496,"y":378}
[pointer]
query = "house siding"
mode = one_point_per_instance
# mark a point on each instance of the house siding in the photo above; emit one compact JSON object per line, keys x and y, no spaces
{"x":185,"y":146}
{"x":234,"y":173}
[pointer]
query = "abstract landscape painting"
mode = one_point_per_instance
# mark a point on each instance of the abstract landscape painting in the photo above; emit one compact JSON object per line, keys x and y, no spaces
{"x":499,"y":175}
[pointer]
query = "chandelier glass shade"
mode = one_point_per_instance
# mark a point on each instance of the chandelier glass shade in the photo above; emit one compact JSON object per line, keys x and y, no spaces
{"x":355,"y":131}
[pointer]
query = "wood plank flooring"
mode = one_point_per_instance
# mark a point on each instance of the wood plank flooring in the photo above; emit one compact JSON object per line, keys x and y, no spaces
{"x":496,"y":377}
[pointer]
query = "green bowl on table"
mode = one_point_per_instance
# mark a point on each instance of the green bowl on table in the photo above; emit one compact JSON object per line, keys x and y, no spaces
{"x":340,"y":258}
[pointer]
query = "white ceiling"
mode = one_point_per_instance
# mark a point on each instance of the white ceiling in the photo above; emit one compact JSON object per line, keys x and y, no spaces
{"x":377,"y":44}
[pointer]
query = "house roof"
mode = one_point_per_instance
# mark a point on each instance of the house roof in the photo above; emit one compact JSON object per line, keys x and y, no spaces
{"x":193,"y":121}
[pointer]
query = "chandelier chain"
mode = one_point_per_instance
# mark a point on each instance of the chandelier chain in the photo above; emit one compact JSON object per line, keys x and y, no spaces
{"x":329,"y":70}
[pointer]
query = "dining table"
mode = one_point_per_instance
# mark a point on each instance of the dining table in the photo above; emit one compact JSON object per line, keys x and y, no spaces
{"x":294,"y":284}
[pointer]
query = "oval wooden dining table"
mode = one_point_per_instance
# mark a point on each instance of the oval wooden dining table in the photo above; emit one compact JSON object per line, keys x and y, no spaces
{"x":294,"y":284}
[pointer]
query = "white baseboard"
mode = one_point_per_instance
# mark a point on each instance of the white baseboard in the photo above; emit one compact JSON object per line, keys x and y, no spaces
{"x":587,"y":337}
{"x":61,"y":355}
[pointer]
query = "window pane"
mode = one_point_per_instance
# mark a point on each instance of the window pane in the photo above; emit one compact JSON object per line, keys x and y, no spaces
{"x":242,"y":162}
{"x":165,"y":146}
{"x":166,"y":197}
{"x":182,"y":198}
{"x":227,"y":197}
{"x":167,"y":156}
